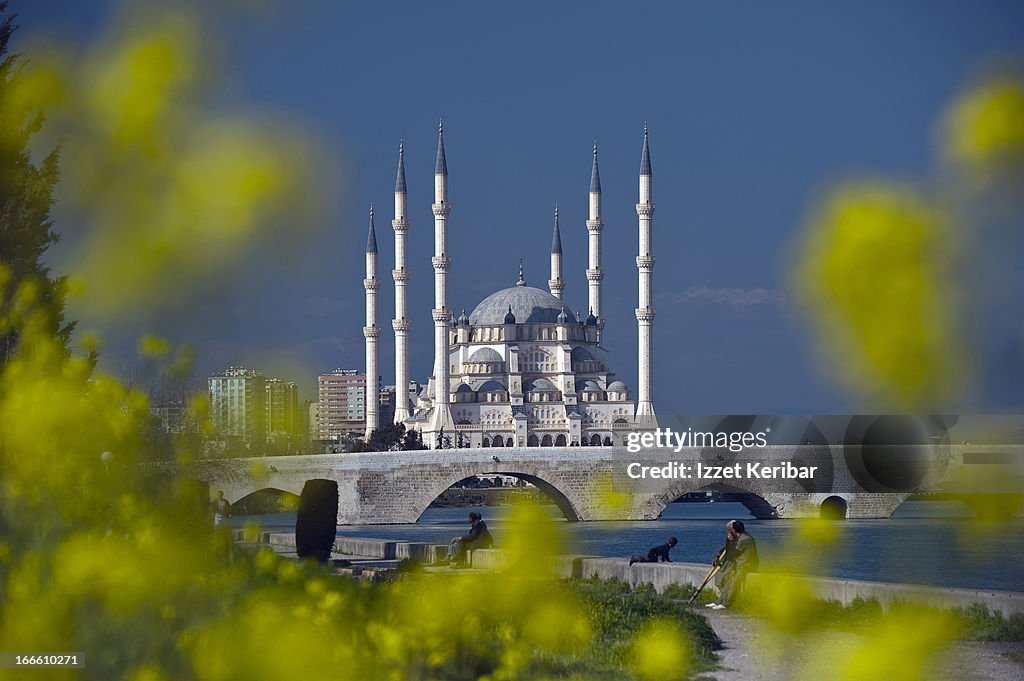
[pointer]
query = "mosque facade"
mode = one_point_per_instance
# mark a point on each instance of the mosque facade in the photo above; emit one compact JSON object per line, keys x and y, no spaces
{"x":521,"y":369}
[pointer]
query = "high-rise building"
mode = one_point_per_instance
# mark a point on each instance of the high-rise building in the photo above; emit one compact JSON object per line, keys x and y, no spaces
{"x":238,"y":405}
{"x":389,"y":401}
{"x":171,"y":415}
{"x":342,"y":404}
{"x":282,"y":407}
{"x":387,"y":405}
{"x":312,"y":419}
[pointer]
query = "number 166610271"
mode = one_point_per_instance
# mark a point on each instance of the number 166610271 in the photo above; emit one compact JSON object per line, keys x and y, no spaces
{"x":11,"y":660}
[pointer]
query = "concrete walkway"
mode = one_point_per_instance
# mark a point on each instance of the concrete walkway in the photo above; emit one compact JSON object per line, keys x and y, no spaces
{"x":749,"y":652}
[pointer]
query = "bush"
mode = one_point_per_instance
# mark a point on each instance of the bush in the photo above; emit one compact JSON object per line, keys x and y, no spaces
{"x":684,"y":592}
{"x":316,"y":522}
{"x":978,"y":623}
{"x":618,"y":614}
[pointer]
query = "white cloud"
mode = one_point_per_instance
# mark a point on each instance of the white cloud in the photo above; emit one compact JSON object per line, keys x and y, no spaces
{"x":737,"y":297}
{"x":321,"y":306}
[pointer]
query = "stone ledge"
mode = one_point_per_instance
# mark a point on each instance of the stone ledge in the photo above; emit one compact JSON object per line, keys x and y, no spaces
{"x":489,"y":559}
{"x":661,"y":575}
{"x":417,"y":551}
{"x":361,"y":546}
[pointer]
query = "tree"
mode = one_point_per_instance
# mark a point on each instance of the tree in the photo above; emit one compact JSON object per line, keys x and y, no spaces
{"x":412,"y":440}
{"x":383,"y":439}
{"x":389,"y":437}
{"x":26,"y":197}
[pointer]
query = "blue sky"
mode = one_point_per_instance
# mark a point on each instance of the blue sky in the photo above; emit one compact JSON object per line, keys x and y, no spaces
{"x":754,"y":109}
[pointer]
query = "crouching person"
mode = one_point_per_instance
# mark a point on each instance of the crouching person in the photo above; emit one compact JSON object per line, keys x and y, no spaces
{"x":658,"y":553}
{"x":737,"y":558}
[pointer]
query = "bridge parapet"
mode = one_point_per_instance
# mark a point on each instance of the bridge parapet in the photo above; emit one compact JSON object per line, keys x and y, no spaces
{"x":587,"y":483}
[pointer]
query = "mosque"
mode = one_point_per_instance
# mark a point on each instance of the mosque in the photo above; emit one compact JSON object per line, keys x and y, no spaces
{"x":521,"y":369}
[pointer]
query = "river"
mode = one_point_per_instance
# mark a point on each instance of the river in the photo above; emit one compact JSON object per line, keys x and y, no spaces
{"x":925,"y":542}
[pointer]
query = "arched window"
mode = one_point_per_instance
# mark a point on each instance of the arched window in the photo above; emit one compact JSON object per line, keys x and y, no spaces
{"x":508,"y":442}
{"x":546,"y":442}
{"x":595,"y":440}
{"x":498,"y":442}
{"x":560,"y":441}
{"x":532,"y":441}
{"x":607,"y":442}
{"x":486,"y":442}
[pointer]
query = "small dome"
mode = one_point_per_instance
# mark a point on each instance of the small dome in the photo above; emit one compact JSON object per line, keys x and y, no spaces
{"x":485,"y":355}
{"x":618,"y":386}
{"x":591,"y":319}
{"x":588,"y":387}
{"x":539,"y":384}
{"x":509,"y":317}
{"x":453,"y":322}
{"x":562,"y":317}
{"x":581,"y":354}
{"x":491,"y":386}
{"x":463,"y":319}
{"x":464,"y":388}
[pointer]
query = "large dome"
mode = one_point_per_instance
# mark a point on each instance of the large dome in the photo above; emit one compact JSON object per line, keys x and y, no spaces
{"x":529,"y":305}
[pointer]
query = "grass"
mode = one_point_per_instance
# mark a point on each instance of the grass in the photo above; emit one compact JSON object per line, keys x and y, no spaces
{"x":616,"y":615}
{"x":618,"y":612}
{"x":975,"y":623}
{"x":684,"y":592}
{"x":978,"y":623}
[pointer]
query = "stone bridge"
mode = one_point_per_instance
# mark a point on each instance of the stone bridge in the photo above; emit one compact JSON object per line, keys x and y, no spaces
{"x":591,"y":483}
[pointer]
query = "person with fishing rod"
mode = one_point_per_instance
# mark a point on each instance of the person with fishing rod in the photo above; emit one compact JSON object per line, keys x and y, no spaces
{"x":733,"y":563}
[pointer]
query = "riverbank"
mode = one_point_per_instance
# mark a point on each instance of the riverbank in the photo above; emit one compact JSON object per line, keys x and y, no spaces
{"x":925,"y":543}
{"x":743,"y":639}
{"x":391,"y":553}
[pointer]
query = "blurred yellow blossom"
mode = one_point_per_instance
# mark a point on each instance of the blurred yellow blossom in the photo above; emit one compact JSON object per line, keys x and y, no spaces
{"x":875,"y":276}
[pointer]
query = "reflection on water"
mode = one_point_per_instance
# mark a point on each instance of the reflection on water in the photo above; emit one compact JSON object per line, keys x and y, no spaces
{"x":925,"y":542}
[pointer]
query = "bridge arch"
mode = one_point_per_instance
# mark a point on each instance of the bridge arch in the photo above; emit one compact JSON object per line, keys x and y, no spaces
{"x":834,"y":507}
{"x":759,"y":506}
{"x":265,"y":500}
{"x":565,"y":500}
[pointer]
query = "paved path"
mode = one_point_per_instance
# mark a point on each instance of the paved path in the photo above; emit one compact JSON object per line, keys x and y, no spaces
{"x":748,"y":652}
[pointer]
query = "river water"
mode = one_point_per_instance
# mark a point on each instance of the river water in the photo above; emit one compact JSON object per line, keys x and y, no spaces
{"x":925,"y":542}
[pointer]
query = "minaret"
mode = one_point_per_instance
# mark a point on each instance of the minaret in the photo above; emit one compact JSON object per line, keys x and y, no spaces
{"x":371,"y":331}
{"x":556,"y":284}
{"x":401,"y":323}
{"x":594,"y":226}
{"x":442,"y":414}
{"x":644,"y":311}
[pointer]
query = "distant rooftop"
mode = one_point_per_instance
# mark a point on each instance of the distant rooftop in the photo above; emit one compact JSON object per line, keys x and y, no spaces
{"x":235,"y":372}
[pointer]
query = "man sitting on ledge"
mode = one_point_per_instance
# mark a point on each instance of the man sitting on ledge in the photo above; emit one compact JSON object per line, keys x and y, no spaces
{"x":479,"y":537}
{"x":659,"y":552}
{"x":738,"y":558}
